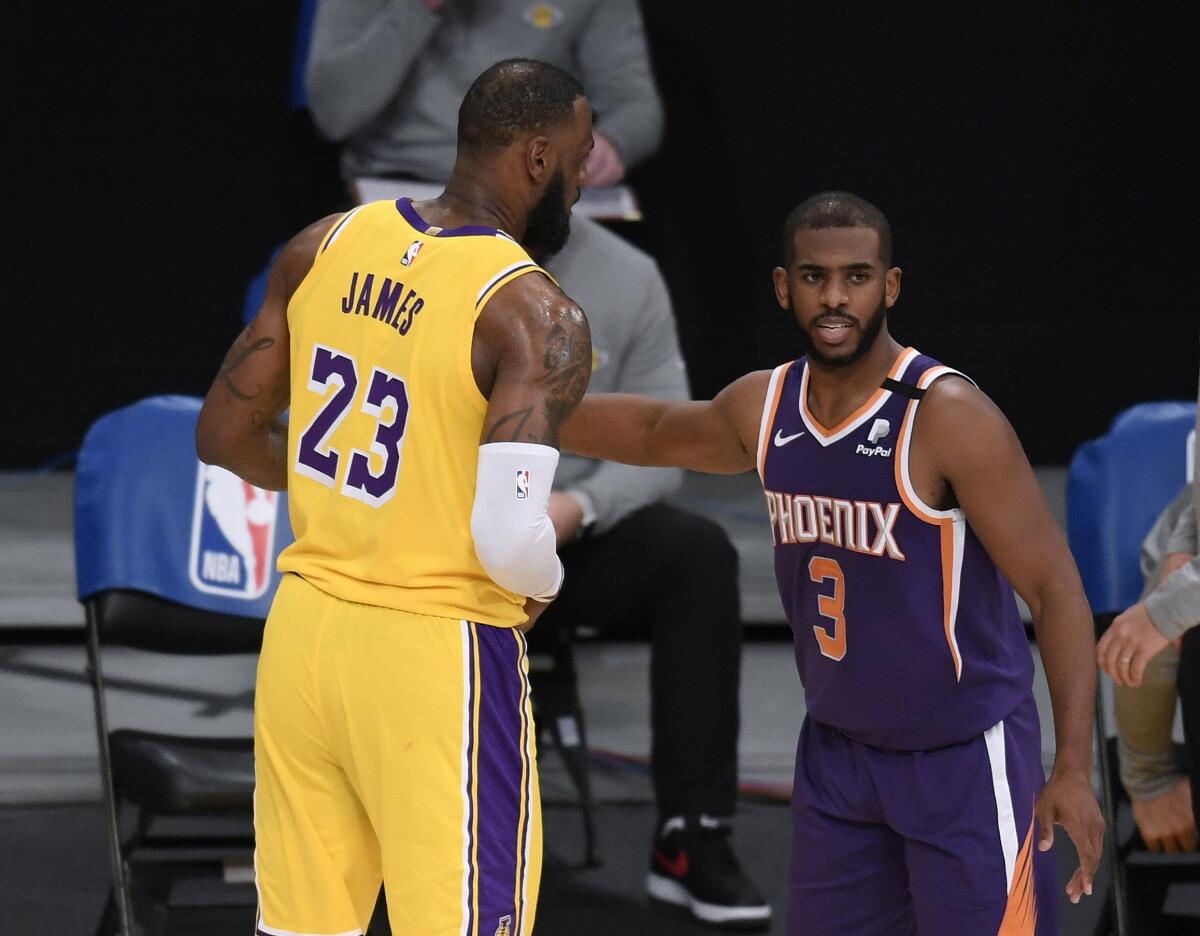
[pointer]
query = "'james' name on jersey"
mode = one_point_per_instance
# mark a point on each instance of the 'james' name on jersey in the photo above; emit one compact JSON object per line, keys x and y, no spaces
{"x":385,"y":416}
{"x":392,"y":303}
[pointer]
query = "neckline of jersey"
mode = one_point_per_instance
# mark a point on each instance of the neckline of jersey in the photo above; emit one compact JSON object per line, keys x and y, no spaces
{"x":409,"y":213}
{"x":827,"y":436}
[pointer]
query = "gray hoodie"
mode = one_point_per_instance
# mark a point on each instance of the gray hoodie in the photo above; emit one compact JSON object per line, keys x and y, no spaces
{"x":386,"y":77}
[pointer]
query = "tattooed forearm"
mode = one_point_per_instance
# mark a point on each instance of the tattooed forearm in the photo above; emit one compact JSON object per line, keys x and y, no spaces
{"x":236,"y":357}
{"x":509,"y":428}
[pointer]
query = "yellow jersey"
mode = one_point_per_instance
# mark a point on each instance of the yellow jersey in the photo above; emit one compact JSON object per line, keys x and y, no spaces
{"x":385,"y":416}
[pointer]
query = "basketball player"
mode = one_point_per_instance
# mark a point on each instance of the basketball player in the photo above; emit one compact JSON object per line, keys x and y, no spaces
{"x":427,"y":363}
{"x":901,"y":506}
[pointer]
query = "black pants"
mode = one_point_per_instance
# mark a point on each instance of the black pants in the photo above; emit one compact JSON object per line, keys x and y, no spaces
{"x":673,"y":575}
{"x":1188,"y":682}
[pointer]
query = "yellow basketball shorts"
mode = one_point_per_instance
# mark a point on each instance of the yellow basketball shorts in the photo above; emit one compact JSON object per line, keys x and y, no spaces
{"x":399,"y":748}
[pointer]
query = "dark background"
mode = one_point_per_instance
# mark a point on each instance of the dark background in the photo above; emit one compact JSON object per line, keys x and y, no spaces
{"x":1038,"y":168}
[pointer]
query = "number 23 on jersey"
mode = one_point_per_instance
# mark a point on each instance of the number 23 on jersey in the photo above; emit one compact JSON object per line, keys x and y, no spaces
{"x":386,"y":399}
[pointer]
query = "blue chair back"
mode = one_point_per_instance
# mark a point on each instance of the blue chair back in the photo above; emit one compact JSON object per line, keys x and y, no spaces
{"x":151,"y":517}
{"x":1117,"y":486}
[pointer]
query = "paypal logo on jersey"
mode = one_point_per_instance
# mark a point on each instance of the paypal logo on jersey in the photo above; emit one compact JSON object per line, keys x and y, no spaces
{"x":233,"y":535}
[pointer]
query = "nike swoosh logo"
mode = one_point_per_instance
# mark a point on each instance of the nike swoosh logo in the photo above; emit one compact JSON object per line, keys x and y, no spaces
{"x":677,"y":867}
{"x":781,"y":439}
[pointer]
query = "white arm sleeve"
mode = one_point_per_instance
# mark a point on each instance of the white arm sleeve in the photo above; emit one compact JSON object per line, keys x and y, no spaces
{"x":514,"y":538}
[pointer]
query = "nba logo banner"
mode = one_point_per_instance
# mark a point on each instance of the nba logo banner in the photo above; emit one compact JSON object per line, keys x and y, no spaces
{"x":522,"y":483}
{"x":233,"y":535}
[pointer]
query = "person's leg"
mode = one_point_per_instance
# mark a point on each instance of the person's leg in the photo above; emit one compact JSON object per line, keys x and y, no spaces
{"x":437,"y":740}
{"x":673,"y":574}
{"x":847,"y":872}
{"x":1188,"y":681}
{"x":317,"y":865}
{"x":966,"y":813}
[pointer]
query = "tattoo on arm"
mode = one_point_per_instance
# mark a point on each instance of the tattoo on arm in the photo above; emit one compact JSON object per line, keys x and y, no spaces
{"x":567,"y":368}
{"x":568,"y":363}
{"x":508,"y":428}
{"x":236,"y":357}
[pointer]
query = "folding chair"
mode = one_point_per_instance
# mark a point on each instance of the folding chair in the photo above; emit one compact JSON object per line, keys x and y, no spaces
{"x":1116,"y":487}
{"x":559,"y":713}
{"x":174,"y":557}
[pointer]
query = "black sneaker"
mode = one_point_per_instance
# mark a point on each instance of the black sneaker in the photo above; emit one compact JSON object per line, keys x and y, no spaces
{"x":692,"y":865}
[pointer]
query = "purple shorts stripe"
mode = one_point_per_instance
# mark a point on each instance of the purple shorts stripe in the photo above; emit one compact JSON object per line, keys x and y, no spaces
{"x":526,"y":787}
{"x":503,"y":779}
{"x":471,"y":727}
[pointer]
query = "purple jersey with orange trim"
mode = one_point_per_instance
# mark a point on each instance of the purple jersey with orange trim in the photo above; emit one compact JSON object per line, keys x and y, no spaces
{"x":907,"y":636}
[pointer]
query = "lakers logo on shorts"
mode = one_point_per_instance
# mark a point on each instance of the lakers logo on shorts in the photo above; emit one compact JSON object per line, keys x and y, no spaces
{"x":504,"y":928}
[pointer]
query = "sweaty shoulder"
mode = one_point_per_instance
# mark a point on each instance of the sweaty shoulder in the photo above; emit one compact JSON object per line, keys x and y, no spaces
{"x":529,"y":319}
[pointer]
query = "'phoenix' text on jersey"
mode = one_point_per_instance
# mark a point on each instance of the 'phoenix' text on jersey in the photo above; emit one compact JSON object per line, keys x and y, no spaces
{"x":389,"y":304}
{"x":860,"y":526}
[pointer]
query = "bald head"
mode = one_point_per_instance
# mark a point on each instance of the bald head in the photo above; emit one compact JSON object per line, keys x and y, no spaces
{"x":512,"y":99}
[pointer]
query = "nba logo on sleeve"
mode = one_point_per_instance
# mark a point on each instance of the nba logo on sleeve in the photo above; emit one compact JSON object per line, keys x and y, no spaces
{"x":233,"y":532}
{"x":522,"y":484}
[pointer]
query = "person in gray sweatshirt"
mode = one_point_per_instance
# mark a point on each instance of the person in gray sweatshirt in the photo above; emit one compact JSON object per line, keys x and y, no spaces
{"x":385,"y":77}
{"x":1170,"y":613}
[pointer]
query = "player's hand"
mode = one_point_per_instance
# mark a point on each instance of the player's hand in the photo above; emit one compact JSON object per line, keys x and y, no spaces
{"x":535,"y":609}
{"x":1167,"y":824}
{"x":604,"y":163}
{"x":566,"y":513}
{"x":1067,"y":800}
{"x":1128,"y":645}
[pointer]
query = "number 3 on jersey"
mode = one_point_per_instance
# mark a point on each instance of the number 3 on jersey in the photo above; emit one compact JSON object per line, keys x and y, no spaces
{"x":832,"y":644}
{"x":317,"y":460}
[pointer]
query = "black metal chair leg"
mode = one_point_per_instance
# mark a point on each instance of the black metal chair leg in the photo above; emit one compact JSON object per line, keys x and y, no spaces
{"x":574,"y":755}
{"x":108,"y":916}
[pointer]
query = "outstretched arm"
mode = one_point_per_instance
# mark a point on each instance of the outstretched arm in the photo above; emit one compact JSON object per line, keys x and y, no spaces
{"x":718,"y":436}
{"x":239,"y":426}
{"x":976,"y":452}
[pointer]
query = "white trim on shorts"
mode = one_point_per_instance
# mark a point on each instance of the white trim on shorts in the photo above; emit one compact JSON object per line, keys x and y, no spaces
{"x":1006,"y":819}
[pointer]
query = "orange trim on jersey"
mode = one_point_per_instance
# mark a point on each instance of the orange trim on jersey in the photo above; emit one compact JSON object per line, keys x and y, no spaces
{"x":875,"y":397}
{"x":945,"y":525}
{"x":948,"y":590}
{"x":766,"y":439}
{"x":901,"y":460}
{"x":1020,"y":914}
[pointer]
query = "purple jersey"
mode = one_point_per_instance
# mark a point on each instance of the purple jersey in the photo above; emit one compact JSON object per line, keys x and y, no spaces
{"x":907,"y":636}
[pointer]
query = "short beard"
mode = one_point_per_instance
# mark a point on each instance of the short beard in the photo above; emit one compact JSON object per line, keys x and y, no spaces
{"x":870,"y":333}
{"x":549,"y":222}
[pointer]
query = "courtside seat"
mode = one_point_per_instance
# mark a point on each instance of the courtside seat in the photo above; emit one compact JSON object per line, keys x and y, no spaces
{"x":177,"y":559}
{"x":558,"y":713}
{"x":183,"y":776}
{"x":1117,"y":486}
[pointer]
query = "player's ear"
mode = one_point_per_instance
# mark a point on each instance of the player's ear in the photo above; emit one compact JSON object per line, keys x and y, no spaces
{"x":782,"y":295}
{"x":891,"y":289}
{"x":537,"y":159}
